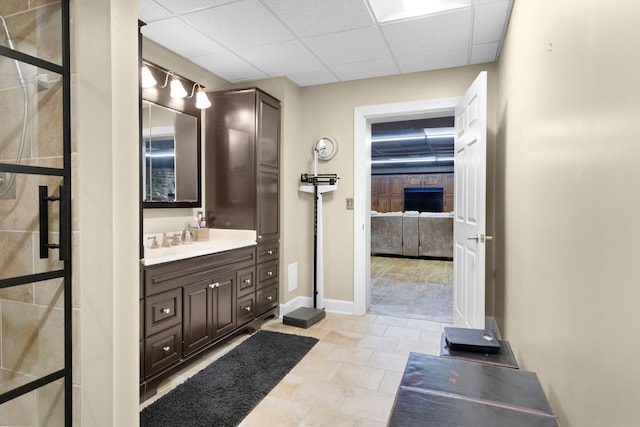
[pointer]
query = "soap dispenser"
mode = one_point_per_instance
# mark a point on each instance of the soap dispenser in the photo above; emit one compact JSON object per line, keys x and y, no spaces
{"x":187,"y":237}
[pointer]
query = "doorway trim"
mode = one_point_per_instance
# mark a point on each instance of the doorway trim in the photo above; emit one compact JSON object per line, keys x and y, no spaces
{"x":364,"y":117}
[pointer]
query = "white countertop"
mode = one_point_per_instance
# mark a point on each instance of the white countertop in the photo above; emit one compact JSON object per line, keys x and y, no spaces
{"x":220,"y":240}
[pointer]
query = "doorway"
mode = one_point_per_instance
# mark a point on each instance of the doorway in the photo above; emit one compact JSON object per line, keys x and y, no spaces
{"x":412,"y":218}
{"x":364,"y":117}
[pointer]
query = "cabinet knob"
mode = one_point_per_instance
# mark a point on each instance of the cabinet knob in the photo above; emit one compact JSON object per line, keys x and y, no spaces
{"x":247,"y":281}
{"x":269,"y":273}
{"x":248,"y":308}
{"x":260,"y":236}
{"x":166,"y":349}
{"x":214,"y":285}
{"x":269,"y":252}
{"x":269,"y":298}
{"x":165,"y":310}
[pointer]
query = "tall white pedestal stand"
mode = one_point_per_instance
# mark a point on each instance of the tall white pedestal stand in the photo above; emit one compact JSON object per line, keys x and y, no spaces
{"x":318,"y":185}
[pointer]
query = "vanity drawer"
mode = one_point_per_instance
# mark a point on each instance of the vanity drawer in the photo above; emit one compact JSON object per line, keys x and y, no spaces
{"x":267,"y":273}
{"x":163,"y":311}
{"x":266,"y":299}
{"x":246,"y":281}
{"x":268,"y":251}
{"x":246,"y":309}
{"x":163,"y":349}
{"x":170,"y":275}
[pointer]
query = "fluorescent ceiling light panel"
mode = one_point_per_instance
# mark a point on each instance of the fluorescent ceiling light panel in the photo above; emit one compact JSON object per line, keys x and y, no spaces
{"x":394,"y":10}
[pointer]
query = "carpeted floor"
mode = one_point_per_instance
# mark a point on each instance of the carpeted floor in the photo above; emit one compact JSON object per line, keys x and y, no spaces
{"x":224,"y":392}
{"x":429,"y":301}
{"x":412,"y":288}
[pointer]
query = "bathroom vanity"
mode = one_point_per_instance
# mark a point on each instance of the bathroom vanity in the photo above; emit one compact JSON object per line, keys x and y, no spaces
{"x":194,"y":296}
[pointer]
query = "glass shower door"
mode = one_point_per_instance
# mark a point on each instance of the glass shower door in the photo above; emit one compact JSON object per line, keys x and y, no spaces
{"x":35,"y":214}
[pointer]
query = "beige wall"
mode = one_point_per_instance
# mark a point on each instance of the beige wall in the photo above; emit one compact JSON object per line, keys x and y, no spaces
{"x":566,"y":184}
{"x":167,"y":220}
{"x":105,"y":128}
{"x":329,"y":110}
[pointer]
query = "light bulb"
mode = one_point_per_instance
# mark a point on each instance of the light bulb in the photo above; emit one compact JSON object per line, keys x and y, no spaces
{"x":147,"y":77}
{"x":177,"y":90}
{"x":202,"y":100}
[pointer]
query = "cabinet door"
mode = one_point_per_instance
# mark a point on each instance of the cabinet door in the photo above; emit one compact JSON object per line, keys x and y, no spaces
{"x":382,"y":186}
{"x":432,"y":180}
{"x":397,"y":185}
{"x":267,"y":147}
{"x":268,"y":132}
{"x":230,"y":193}
{"x":198,"y":315}
{"x":224,"y":303}
{"x":413,"y":181}
{"x":268,"y":220}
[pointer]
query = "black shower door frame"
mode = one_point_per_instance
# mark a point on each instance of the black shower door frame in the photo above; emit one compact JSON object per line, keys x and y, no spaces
{"x":63,"y":247}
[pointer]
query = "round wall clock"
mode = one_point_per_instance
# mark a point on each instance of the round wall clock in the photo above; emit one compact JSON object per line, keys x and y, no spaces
{"x":326,"y":147}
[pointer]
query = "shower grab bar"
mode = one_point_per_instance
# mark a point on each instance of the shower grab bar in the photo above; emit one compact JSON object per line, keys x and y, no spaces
{"x":44,"y":200}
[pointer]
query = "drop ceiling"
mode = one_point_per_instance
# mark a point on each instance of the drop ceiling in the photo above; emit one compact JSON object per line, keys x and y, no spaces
{"x":315,"y":42}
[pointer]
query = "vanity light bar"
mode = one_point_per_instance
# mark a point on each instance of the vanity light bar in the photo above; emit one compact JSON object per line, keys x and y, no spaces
{"x":177,"y":88}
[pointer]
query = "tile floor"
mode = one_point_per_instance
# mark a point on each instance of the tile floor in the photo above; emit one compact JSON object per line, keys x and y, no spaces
{"x":349,"y":378}
{"x":351,"y":375}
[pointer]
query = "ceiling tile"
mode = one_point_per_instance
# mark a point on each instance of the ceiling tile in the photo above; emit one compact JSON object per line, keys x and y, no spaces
{"x":349,"y":46}
{"x":434,"y":60}
{"x":314,"y":17}
{"x":489,"y":22}
{"x":149,"y":11}
{"x":313,"y":77}
{"x":365,"y":69}
{"x":228,"y":66}
{"x":486,"y":52}
{"x":180,"y":7}
{"x":278,"y":59}
{"x":430,"y":33}
{"x":171,"y":33}
{"x":239,"y":25}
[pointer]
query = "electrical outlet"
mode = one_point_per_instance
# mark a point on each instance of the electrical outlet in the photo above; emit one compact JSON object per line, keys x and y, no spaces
{"x":349,"y":203}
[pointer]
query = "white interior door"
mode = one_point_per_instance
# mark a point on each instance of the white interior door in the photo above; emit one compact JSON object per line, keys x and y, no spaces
{"x":470,"y":206}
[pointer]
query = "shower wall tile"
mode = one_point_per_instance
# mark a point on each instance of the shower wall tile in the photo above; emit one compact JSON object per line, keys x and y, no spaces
{"x":48,"y":140}
{"x":19,"y":411}
{"x":49,"y":293}
{"x":42,"y":265}
{"x":50,"y":407}
{"x":22,"y":293}
{"x":33,"y":338}
{"x":38,"y":32}
{"x":9,"y":7}
{"x":18,"y":251}
{"x":76,"y":277}
{"x":75,"y":324}
{"x":11,"y":115}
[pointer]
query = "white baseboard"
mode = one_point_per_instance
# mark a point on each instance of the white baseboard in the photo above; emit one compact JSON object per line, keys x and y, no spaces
{"x":331,"y":305}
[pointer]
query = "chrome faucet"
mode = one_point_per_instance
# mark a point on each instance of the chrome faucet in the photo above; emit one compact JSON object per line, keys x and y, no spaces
{"x":166,"y":240}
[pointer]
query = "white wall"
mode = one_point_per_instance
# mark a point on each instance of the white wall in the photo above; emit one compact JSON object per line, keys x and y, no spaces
{"x":567,"y":291}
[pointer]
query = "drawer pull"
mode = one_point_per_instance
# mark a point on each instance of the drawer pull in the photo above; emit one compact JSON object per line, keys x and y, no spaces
{"x":248,"y":308}
{"x":269,"y":252}
{"x":165,"y":310}
{"x":247,"y":281}
{"x":269,"y":298}
{"x":166,"y":349}
{"x":269,"y":273}
{"x":214,"y":285}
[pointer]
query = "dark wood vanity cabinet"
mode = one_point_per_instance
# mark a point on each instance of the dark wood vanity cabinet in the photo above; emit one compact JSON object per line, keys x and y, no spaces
{"x":242,"y":162}
{"x":190,"y":305}
{"x":243,"y":178}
